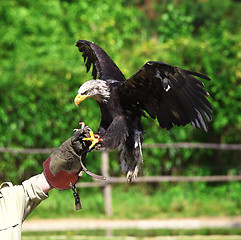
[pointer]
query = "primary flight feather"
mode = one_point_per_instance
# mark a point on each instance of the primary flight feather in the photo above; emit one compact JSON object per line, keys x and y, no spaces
{"x":172,"y":95}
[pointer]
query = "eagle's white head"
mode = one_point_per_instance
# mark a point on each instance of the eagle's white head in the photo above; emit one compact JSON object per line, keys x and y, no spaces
{"x":97,"y":89}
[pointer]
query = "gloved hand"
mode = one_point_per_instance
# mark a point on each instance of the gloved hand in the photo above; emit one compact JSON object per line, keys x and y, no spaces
{"x":62,"y":168}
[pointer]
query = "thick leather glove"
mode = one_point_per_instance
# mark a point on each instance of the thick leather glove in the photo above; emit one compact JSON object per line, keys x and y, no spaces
{"x":62,"y":168}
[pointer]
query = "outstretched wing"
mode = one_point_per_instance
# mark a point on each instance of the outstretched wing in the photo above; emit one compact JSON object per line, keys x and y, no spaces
{"x":102,"y":63}
{"x":171,"y":94}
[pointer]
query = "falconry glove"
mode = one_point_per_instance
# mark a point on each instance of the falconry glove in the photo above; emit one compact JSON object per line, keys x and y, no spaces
{"x":62,"y":167}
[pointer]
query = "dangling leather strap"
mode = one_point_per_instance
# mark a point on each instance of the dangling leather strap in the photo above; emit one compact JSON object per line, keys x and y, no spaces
{"x":78,"y":205}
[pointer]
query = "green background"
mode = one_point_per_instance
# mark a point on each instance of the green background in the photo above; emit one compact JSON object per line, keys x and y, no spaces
{"x":41,"y":71}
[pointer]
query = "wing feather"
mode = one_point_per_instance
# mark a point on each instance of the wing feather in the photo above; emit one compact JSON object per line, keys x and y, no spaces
{"x":174,"y":95}
{"x":100,"y":60}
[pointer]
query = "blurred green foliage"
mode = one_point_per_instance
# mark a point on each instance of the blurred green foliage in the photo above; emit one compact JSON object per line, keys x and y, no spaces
{"x":140,"y":201}
{"x":41,"y":71}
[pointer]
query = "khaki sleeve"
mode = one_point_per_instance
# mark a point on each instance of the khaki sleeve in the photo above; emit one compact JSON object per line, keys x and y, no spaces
{"x":12,"y":199}
{"x":34,"y":195}
{"x":16,"y":203}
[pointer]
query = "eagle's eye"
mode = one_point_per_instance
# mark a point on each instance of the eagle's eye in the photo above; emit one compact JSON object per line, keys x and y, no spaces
{"x":85,"y":92}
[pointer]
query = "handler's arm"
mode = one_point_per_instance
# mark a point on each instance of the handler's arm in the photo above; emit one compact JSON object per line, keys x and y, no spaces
{"x":60,"y":169}
{"x":16,"y":202}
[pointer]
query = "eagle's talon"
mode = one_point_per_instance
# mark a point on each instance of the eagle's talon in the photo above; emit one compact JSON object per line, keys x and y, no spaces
{"x":82,"y":124}
{"x":94,"y":138}
{"x":98,"y":146}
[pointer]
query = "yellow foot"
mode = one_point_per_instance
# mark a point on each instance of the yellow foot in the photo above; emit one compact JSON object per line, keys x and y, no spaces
{"x":92,"y":139}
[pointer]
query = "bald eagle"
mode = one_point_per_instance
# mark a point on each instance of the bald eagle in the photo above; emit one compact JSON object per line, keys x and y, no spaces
{"x":171,"y":94}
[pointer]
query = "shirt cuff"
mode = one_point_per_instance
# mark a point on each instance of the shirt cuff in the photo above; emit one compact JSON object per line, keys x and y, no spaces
{"x":33,"y":191}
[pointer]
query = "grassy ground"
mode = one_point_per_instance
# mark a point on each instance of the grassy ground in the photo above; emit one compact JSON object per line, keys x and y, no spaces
{"x":133,"y":238}
{"x":218,"y":234}
{"x":142,"y":201}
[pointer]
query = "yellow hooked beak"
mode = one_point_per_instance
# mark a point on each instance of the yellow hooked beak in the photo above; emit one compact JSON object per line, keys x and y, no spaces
{"x":80,"y":98}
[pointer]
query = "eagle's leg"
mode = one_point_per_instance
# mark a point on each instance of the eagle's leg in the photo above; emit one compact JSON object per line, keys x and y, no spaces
{"x":131,"y":159}
{"x":131,"y":175}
